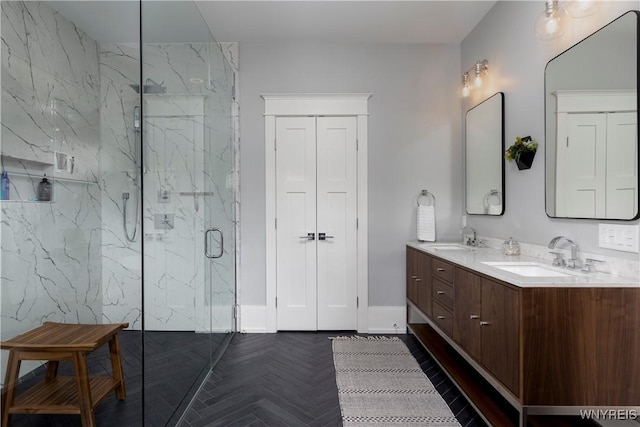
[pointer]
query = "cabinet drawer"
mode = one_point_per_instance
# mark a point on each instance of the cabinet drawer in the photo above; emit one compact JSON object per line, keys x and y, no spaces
{"x":442,"y":270}
{"x":443,"y":318}
{"x":443,"y":293}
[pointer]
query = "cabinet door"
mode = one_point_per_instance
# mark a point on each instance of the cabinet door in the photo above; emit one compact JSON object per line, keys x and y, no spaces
{"x":412,"y":275}
{"x":500,"y":332}
{"x":466,"y":311}
{"x":424,"y":283}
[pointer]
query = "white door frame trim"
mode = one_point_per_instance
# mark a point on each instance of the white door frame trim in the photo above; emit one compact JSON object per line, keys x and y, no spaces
{"x":350,"y":104}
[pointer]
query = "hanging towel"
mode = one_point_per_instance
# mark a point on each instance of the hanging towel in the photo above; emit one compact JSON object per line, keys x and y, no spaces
{"x":426,"y":217}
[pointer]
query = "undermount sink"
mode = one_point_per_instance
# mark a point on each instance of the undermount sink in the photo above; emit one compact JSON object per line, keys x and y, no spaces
{"x":451,"y":247}
{"x":529,"y":269}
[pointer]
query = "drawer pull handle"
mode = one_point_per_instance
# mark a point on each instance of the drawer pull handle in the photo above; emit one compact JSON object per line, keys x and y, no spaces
{"x":440,"y":269}
{"x":483,"y":323}
{"x":474,"y":317}
{"x":440,"y":317}
{"x":414,"y":277}
{"x":440,"y":292}
{"x":418,"y":280}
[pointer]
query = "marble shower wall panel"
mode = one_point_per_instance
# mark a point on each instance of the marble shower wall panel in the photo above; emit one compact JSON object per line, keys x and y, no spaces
{"x":120,"y":166}
{"x":51,"y":260}
{"x":186,"y":71}
{"x":50,"y":87}
{"x":182,"y":68}
{"x":174,"y":161}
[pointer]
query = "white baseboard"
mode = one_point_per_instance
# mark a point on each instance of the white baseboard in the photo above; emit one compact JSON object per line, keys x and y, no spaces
{"x":382,"y":319}
{"x":388,"y":319}
{"x":253,"y":319}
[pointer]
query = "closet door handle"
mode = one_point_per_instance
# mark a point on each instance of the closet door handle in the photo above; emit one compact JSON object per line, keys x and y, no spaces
{"x":323,"y":236}
{"x":309,"y":236}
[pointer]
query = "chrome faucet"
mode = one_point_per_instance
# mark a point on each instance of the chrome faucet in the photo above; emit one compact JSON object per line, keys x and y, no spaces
{"x":467,"y":231}
{"x":573,"y":262}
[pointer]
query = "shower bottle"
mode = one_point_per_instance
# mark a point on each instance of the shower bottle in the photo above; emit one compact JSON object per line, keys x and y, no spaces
{"x":5,"y":186}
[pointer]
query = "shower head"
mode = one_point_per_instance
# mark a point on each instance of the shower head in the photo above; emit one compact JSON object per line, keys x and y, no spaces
{"x":150,"y":87}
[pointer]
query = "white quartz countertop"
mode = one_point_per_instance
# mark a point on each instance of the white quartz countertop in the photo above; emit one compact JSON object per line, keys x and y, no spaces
{"x":475,"y":258}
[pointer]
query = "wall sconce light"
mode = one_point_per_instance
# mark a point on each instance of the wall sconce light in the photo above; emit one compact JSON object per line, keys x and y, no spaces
{"x":478,"y":71}
{"x":551,"y":23}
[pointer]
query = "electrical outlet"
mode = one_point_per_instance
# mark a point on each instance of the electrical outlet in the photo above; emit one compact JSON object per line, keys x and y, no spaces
{"x":618,"y":237}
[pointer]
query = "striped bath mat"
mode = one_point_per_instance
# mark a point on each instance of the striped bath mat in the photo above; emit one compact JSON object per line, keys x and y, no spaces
{"x":381,"y":384}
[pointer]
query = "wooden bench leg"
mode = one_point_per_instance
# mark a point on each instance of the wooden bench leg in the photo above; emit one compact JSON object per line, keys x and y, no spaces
{"x":52,"y":370}
{"x":116,"y":367}
{"x":84,"y":390}
{"x":9,"y":393}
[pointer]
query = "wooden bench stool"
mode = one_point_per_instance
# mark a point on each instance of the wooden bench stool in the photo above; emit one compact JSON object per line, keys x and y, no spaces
{"x":55,"y":342}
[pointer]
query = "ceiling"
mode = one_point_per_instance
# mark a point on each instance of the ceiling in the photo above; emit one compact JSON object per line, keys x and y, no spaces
{"x":343,"y":21}
{"x":267,"y":21}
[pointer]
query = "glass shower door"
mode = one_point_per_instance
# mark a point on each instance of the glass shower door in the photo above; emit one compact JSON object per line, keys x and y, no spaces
{"x":220,"y":199}
{"x":188,"y":206}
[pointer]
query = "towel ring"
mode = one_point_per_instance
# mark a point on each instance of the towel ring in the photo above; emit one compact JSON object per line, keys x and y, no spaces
{"x":428,"y":196}
{"x":493,"y":195}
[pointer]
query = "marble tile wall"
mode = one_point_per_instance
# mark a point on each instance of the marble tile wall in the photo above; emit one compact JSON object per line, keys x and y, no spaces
{"x":120,"y":173}
{"x":51,"y":262}
{"x":188,"y":156}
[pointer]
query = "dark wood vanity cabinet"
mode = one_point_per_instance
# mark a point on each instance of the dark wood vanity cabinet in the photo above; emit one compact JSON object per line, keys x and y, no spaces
{"x":412,"y":275}
{"x":486,"y":319}
{"x":419,"y":279}
{"x":500,"y":332}
{"x":468,"y":304}
{"x":538,"y":346}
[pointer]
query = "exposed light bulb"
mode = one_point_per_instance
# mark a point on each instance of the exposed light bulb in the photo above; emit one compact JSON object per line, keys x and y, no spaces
{"x":582,"y":8}
{"x":551,"y":23}
{"x":477,"y":81}
{"x":465,"y":85}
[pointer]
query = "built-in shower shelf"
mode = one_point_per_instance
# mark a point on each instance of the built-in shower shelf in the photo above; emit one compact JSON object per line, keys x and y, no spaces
{"x":36,"y":202}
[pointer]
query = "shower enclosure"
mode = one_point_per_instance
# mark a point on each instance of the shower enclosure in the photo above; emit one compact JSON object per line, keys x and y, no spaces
{"x":128,"y":109}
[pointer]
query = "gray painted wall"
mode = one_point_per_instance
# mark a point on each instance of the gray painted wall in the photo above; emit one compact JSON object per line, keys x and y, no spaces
{"x":414,"y":143}
{"x":517,"y":60}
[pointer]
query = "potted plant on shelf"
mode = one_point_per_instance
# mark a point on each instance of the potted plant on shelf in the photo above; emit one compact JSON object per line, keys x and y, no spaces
{"x":522,"y":151}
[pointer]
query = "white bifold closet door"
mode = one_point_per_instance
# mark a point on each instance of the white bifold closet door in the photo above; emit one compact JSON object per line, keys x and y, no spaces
{"x":316,"y":214}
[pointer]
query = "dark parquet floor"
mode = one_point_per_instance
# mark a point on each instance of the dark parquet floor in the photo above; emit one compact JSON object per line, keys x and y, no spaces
{"x":288,"y":379}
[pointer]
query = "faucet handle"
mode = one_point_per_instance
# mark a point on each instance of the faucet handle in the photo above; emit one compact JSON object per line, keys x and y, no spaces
{"x":573,"y":263}
{"x":558,"y":260}
{"x":589,"y":265}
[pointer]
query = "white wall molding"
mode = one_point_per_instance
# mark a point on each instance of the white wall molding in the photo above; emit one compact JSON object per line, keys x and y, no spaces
{"x":388,"y":320}
{"x":253,"y":319}
{"x":380,"y":319}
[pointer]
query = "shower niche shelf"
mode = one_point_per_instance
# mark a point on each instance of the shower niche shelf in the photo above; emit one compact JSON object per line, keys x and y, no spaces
{"x":24,"y":176}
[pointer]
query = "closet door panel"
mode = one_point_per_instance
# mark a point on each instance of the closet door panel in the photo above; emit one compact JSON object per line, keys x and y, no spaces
{"x":296,"y":217}
{"x":584,"y":160}
{"x":337,"y":216}
{"x":622,"y":165}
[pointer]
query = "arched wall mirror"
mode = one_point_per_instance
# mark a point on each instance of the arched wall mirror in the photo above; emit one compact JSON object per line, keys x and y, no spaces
{"x":591,"y":115}
{"x":484,"y":150}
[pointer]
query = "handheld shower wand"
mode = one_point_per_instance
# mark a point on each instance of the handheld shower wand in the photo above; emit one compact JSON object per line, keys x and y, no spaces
{"x":132,"y":237}
{"x":125,"y":196}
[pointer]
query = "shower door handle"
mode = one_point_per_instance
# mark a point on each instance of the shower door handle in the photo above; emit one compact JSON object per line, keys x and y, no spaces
{"x":206,"y":243}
